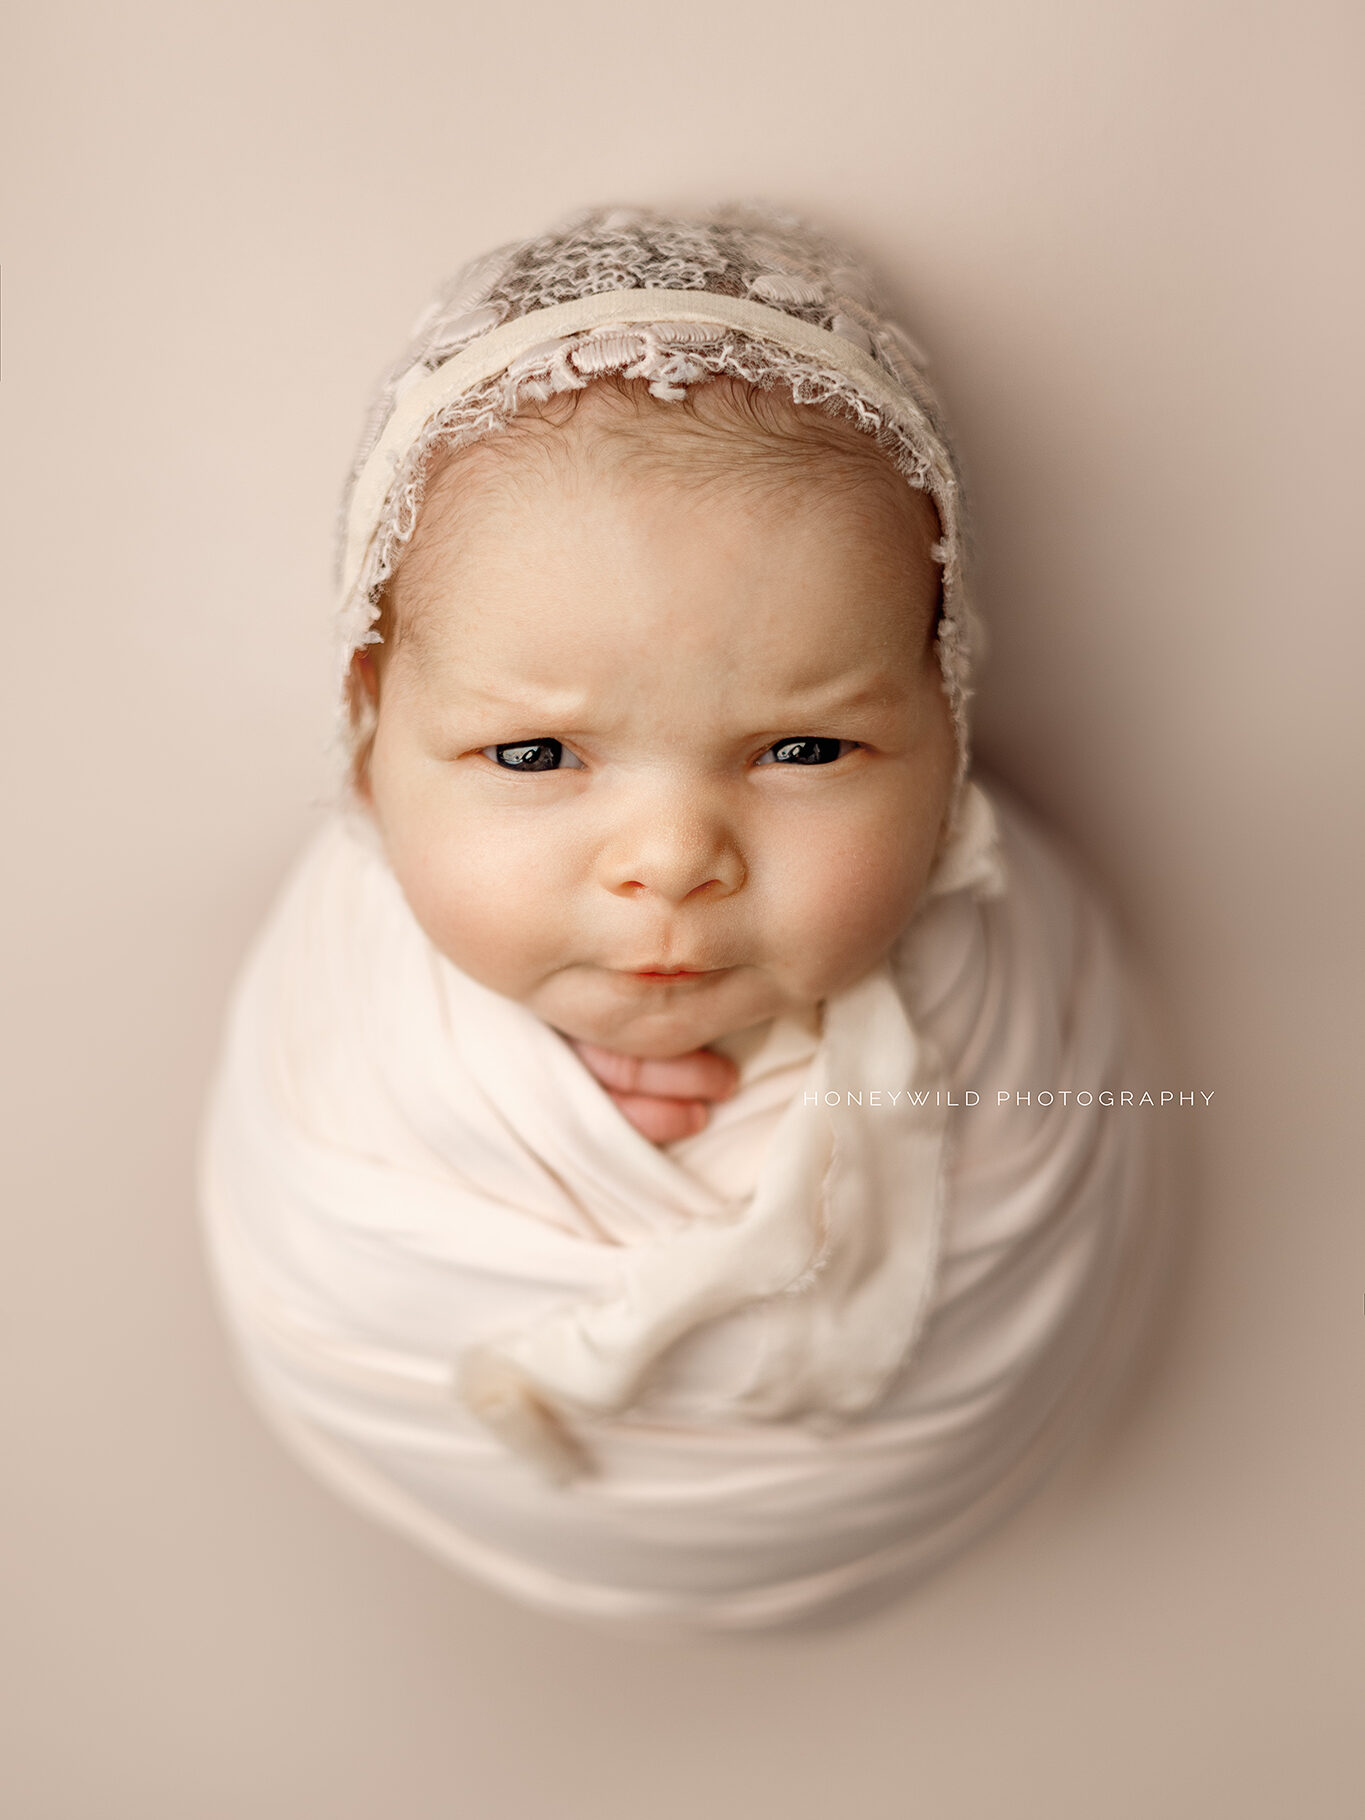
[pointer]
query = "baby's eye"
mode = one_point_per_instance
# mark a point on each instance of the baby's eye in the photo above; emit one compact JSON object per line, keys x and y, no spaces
{"x":533,"y":755}
{"x":806,"y":751}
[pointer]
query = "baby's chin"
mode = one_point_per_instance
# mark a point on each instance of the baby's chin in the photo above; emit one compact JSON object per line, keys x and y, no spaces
{"x":656,"y":1020}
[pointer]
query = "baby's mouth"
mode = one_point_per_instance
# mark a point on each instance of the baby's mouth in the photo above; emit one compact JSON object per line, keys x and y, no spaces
{"x":670,"y":975}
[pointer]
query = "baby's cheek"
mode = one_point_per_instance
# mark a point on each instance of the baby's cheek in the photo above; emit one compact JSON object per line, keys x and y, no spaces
{"x":856,"y":893}
{"x":489,"y":909}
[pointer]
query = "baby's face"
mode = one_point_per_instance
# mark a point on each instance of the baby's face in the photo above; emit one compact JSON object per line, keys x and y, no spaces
{"x":650,"y":726}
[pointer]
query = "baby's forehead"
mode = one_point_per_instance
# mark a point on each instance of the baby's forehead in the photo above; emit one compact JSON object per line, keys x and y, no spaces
{"x":721,"y":436}
{"x":737,"y":462}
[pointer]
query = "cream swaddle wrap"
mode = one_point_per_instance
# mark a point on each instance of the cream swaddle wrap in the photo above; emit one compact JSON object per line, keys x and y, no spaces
{"x":725,"y":1382}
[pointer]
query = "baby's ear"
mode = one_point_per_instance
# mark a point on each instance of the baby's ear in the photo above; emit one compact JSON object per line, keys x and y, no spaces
{"x":365,"y":673}
{"x":362,"y":693}
{"x":364,"y":786}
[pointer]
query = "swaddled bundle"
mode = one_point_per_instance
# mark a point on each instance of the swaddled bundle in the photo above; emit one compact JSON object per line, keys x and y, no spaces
{"x":824,"y":1341}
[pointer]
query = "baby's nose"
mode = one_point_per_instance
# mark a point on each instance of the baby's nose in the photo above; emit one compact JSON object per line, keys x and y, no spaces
{"x":674,"y":853}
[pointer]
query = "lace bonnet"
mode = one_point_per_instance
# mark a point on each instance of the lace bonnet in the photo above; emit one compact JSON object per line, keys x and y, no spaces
{"x":741,"y":290}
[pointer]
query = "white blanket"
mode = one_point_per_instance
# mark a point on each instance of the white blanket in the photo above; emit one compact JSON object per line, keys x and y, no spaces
{"x":825,"y":1341}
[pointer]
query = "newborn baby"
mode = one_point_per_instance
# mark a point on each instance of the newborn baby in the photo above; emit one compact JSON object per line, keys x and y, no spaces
{"x":662,"y":748}
{"x":621,"y":1175}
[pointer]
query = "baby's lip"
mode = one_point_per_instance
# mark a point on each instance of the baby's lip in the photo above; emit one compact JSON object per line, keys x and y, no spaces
{"x":651,"y":972}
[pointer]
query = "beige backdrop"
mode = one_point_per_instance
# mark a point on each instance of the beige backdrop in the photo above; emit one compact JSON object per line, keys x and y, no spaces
{"x":1128,"y":233}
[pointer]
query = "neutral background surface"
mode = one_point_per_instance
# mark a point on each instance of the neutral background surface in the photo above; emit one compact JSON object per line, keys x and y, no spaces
{"x":1126,"y":233}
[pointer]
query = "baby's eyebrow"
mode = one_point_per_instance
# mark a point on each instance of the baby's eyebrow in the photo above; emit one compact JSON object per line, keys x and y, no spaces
{"x":559,"y":706}
{"x":826,"y":696}
{"x":795,"y":703}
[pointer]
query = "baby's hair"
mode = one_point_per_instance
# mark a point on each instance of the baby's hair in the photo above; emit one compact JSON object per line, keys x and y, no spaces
{"x":726,"y":432}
